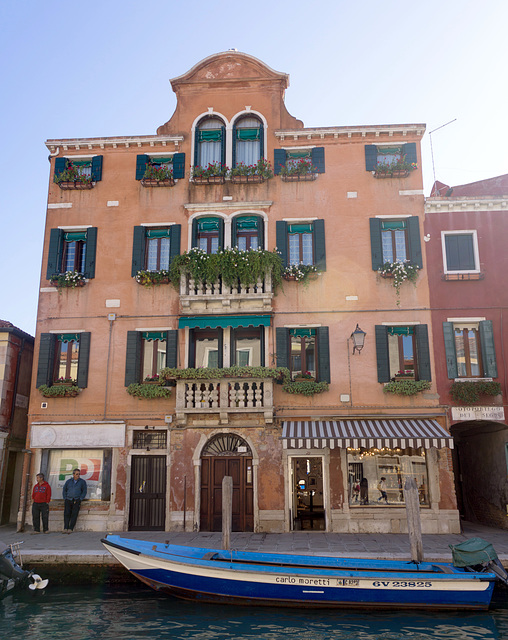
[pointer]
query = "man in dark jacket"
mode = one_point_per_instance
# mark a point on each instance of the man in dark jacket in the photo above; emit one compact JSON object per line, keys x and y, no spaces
{"x":74,"y":491}
{"x":41,"y":495}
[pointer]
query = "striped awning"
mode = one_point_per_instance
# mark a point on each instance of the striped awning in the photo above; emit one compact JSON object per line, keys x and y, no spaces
{"x":391,"y":433}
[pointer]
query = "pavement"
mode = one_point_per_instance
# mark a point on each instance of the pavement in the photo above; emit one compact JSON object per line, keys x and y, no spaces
{"x":85,"y":548}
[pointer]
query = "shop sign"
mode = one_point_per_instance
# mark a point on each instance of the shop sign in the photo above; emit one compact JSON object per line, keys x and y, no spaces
{"x":478,"y":413}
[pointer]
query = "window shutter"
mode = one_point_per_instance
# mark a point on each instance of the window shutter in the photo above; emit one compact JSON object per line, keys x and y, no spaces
{"x":279,"y":160}
{"x":106,"y":475}
{"x":261,"y":141}
{"x":318,"y":159}
{"x":319,"y":244}
{"x":133,"y":358}
{"x":282,"y":346}
{"x":54,"y":252}
{"x":370,"y":157}
{"x":46,"y":359}
{"x":415,"y":246}
{"x":60,"y":164}
{"x":179,"y":165}
{"x":194,"y":233}
{"x":409,"y":150}
{"x":459,"y":252}
{"x":376,"y":247}
{"x":451,"y":356}
{"x":221,"y":233}
{"x":422,"y":352}
{"x":281,"y":238}
{"x":383,"y":362}
{"x":174,"y":246}
{"x":261,"y":233}
{"x":233,"y":150}
{"x":91,"y":250}
{"x":323,"y":353}
{"x":84,"y":359}
{"x":138,"y":250}
{"x":96,"y":168}
{"x":172,"y":349}
{"x":141,"y":162}
{"x":196,"y":147}
{"x":222,"y":149}
{"x":488,"y":349}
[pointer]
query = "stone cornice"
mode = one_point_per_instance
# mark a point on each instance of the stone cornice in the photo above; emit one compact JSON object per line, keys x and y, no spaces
{"x":78,"y":144}
{"x":214,"y":206}
{"x":486,"y":203}
{"x":383,"y":131}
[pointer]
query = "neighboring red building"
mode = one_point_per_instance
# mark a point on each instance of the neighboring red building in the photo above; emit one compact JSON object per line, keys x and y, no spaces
{"x":16,"y":355}
{"x":466,"y":228}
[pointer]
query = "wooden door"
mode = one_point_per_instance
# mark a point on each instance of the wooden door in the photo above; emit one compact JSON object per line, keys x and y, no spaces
{"x":148,"y":493}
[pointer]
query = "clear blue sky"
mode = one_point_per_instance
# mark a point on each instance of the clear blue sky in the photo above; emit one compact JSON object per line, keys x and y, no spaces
{"x":102,"y":69}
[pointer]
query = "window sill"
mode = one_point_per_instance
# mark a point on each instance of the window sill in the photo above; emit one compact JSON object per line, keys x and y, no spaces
{"x":247,"y":179}
{"x":81,"y":186}
{"x":462,"y":276}
{"x":391,"y":174}
{"x":69,"y":285}
{"x":150,"y":182}
{"x":209,"y":179}
{"x":297,"y":177}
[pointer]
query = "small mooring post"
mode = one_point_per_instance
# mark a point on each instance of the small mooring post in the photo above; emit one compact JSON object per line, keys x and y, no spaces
{"x":227,"y":511}
{"x":414,"y":525}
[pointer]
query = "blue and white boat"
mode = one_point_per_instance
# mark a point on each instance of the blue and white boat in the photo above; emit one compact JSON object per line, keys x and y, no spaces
{"x":211,"y":575}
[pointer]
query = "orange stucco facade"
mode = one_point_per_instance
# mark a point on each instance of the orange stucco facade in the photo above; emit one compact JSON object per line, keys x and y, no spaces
{"x":111,"y":305}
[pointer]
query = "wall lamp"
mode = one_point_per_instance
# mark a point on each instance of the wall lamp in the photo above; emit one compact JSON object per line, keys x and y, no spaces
{"x":358,"y":338}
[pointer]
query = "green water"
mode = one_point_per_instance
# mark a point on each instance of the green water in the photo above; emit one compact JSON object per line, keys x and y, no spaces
{"x":134,"y":612}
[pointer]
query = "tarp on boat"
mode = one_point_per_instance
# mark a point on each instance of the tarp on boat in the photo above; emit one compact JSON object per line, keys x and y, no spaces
{"x":472,"y":552}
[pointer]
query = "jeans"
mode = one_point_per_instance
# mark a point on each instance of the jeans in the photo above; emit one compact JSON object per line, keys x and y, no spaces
{"x":40,"y":509}
{"x":71,"y":510}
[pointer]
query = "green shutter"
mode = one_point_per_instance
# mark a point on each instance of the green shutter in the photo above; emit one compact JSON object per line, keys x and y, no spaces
{"x":221,"y":233}
{"x":138,"y":250}
{"x":282,"y":346}
{"x":488,"y":349}
{"x":174,"y":246}
{"x":318,"y":159}
{"x":172,"y":349}
{"x":422,"y":351}
{"x":84,"y":359}
{"x":323,"y":353}
{"x":415,"y":246}
{"x":97,"y":168}
{"x":141,"y":162}
{"x":46,"y":360}
{"x":91,"y":250}
{"x":60,"y":164}
{"x":261,"y":233}
{"x":383,"y":361}
{"x":234,"y":229}
{"x":279,"y":160}
{"x":222,"y":150}
{"x":409,"y":151}
{"x":282,"y":241}
{"x":233,"y":155}
{"x":376,"y":247}
{"x":319,"y":244}
{"x":451,"y":356}
{"x":370,"y":157}
{"x":194,"y":239}
{"x":179,"y":165}
{"x":133,"y":358}
{"x":54,"y":253}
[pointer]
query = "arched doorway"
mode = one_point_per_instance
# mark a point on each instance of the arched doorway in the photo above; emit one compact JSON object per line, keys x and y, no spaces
{"x":226,"y":454}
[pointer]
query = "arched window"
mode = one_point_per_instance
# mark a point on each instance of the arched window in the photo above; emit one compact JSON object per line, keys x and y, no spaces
{"x":208,"y":233}
{"x":248,"y":232}
{"x":247,"y":141}
{"x":210,"y":142}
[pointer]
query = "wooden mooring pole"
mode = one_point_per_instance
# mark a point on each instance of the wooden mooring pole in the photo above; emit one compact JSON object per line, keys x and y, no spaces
{"x":414,"y":525}
{"x":227,"y":511}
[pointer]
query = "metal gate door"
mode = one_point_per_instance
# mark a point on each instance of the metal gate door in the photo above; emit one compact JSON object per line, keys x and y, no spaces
{"x":148,"y":493}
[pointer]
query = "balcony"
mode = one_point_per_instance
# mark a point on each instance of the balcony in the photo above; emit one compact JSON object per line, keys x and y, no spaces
{"x":224,"y":397}
{"x":217,"y":297}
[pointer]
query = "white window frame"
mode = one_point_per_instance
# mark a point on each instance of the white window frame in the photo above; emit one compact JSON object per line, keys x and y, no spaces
{"x":461,"y":232}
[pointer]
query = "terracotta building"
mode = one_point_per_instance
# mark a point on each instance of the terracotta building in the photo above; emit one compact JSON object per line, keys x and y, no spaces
{"x":140,"y":276}
{"x":466,"y":230}
{"x":16,"y":355}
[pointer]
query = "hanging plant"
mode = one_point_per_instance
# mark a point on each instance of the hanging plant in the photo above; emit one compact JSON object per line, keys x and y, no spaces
{"x":212,"y":373}
{"x":148,"y":391}
{"x":300,"y":272}
{"x":470,"y":392}
{"x":59,"y":391}
{"x":406,"y":387}
{"x":400,"y":272}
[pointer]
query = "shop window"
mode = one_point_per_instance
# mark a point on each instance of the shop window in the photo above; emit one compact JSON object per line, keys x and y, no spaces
{"x":395,"y":241}
{"x":153,"y":248}
{"x":247,"y":232}
{"x":63,"y":357}
{"x":371,"y":472}
{"x":208,"y":234}
{"x":94,"y":464}
{"x":210,"y":136}
{"x":460,"y":252}
{"x":302,"y":243}
{"x":402,"y":352}
{"x":247,"y":141}
{"x":148,"y":352}
{"x":72,"y":251}
{"x":304,"y":351}
{"x":470,"y":349}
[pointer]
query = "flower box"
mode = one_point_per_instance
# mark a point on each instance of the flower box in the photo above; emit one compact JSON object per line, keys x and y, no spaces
{"x":209,"y":179}
{"x":247,"y":179}
{"x":299,"y":177}
{"x":304,"y":379}
{"x":152,"y":182}
{"x":66,"y":185}
{"x":68,"y":285}
{"x":391,"y":174}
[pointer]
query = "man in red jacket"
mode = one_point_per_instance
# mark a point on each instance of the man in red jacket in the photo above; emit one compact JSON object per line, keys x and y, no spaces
{"x":41,"y":495}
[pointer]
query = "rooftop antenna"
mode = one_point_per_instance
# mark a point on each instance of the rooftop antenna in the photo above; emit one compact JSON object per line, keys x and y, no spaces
{"x":431,"y":149}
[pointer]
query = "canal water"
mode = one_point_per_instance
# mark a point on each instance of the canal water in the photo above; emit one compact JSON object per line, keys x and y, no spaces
{"x":133,"y":612}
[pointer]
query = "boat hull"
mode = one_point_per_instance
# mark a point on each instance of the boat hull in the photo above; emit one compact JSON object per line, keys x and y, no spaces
{"x":208,"y":576}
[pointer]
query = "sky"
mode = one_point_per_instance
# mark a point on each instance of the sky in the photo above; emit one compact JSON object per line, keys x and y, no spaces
{"x":75,"y":70}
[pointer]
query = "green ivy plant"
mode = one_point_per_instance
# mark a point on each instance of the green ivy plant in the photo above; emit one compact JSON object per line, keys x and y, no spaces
{"x":148,"y":391}
{"x":209,"y":373}
{"x":59,"y":391}
{"x":470,"y":392}
{"x":231,"y":264}
{"x":152,"y":278}
{"x":406,"y":387}
{"x":305,"y":387}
